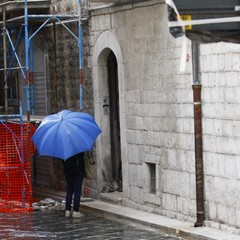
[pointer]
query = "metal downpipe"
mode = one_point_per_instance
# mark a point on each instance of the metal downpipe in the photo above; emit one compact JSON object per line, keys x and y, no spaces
{"x":197,"y":87}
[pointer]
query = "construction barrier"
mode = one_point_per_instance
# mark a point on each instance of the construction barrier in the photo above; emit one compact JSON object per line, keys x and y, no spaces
{"x":16,"y":150}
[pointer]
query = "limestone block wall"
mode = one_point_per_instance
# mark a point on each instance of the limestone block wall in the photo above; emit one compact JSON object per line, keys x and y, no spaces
{"x":220,"y":68}
{"x":159,"y":116}
{"x":159,"y":109}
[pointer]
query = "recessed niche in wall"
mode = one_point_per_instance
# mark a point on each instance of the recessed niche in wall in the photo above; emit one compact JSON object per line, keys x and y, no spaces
{"x":152,"y":191}
{"x":152,"y":177}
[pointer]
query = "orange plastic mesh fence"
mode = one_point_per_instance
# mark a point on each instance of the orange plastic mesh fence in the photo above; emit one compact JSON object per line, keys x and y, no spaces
{"x":16,"y":150}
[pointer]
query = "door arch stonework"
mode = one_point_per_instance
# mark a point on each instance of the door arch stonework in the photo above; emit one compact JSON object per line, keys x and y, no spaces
{"x":105,"y":43}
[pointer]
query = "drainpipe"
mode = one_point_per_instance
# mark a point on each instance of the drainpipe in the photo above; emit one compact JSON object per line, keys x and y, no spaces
{"x":198,"y":136}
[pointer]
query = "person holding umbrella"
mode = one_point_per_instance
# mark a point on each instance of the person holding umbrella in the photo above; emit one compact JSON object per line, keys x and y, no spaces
{"x":74,"y":171}
{"x":67,"y":135}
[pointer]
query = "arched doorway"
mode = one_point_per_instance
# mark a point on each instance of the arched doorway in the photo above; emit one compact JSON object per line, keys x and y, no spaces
{"x":109,"y":112}
{"x":115,"y":133}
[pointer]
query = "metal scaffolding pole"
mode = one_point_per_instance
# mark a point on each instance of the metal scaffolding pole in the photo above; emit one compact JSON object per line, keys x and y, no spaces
{"x":80,"y":54}
{"x":27,"y":60}
{"x":5,"y":62}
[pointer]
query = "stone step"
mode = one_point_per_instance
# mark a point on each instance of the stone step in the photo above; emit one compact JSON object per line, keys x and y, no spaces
{"x":112,"y":197}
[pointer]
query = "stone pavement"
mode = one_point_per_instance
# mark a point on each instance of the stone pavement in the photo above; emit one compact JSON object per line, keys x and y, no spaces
{"x":53,"y":225}
{"x":169,"y":226}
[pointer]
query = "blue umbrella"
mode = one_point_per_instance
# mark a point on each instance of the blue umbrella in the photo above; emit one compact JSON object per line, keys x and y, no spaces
{"x":65,"y":134}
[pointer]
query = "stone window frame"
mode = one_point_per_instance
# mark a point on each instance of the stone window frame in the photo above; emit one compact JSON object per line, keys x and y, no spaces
{"x":153,"y":198}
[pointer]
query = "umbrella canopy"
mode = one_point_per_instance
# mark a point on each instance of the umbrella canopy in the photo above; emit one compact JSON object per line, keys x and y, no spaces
{"x":65,"y":134}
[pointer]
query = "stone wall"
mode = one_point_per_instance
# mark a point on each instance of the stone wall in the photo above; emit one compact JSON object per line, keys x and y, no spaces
{"x":67,"y":65}
{"x":220,"y":68}
{"x":159,"y":110}
{"x":159,"y":116}
{"x":64,"y":73}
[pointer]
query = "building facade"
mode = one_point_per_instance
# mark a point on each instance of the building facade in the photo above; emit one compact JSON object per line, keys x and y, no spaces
{"x":155,"y":112}
{"x":144,"y":106}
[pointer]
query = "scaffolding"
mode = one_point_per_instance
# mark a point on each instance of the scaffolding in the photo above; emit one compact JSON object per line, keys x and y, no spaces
{"x":26,"y":18}
{"x":21,"y":21}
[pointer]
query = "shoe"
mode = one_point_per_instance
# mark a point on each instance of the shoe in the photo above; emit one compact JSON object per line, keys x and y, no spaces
{"x":67,"y":214}
{"x":77,"y":214}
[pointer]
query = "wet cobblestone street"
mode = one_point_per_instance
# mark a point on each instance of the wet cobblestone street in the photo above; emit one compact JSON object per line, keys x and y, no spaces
{"x":53,"y":225}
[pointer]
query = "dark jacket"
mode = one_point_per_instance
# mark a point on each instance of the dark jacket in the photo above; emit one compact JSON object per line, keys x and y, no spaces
{"x":74,"y":165}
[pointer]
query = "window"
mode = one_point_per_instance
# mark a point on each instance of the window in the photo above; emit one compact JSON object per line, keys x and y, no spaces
{"x":152,"y":183}
{"x":152,"y":170}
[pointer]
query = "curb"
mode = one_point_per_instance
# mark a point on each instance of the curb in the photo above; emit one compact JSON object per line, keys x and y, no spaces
{"x":174,"y":227}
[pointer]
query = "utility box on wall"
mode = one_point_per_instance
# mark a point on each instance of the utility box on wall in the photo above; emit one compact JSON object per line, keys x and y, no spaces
{"x":207,"y":9}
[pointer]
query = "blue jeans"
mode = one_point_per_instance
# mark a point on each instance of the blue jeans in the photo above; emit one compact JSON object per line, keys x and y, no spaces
{"x":74,"y":187}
